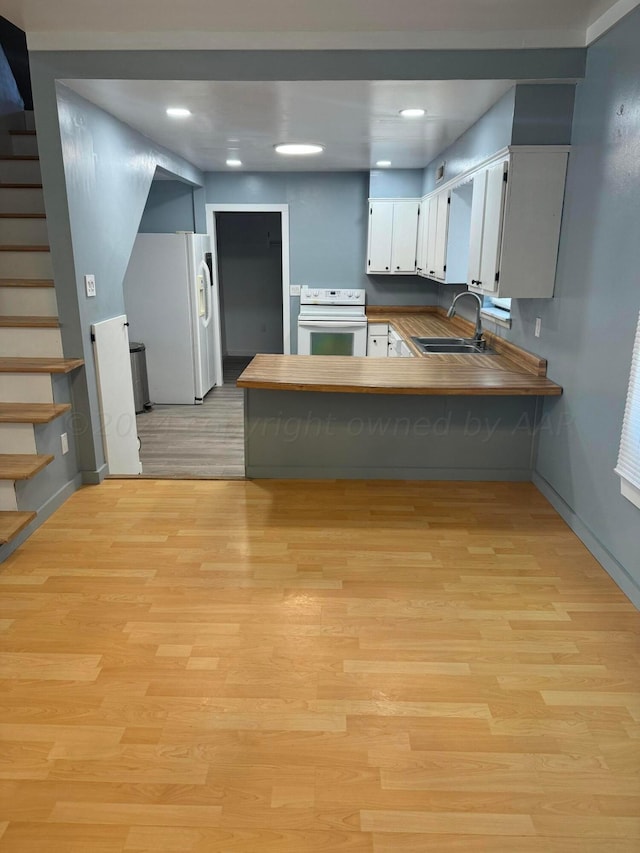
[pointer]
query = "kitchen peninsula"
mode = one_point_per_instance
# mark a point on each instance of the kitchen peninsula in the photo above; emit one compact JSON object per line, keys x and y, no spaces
{"x":428,"y":417}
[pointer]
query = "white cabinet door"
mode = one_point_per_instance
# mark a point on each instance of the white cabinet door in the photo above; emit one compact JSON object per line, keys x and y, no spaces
{"x":423,"y":236}
{"x":431,"y":236}
{"x":477,"y":228}
{"x":405,"y":236}
{"x":442,"y":230}
{"x":377,"y":346}
{"x":380,"y":237}
{"x":492,"y":230}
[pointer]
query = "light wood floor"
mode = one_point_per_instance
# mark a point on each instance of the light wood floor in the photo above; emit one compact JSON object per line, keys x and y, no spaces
{"x":273,"y":667}
{"x":204,"y":441}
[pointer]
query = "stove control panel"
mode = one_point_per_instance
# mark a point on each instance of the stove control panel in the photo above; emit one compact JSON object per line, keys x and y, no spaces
{"x":327,"y":296}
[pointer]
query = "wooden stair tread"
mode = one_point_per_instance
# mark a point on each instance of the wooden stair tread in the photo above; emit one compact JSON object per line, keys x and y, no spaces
{"x":19,"y":157}
{"x":31,"y":413}
{"x":22,"y":133}
{"x":29,"y":322}
{"x":26,"y":282}
{"x":22,"y":466}
{"x":20,"y":186}
{"x":23,"y":215}
{"x":21,"y":247}
{"x":39,"y":365}
{"x":11,"y":523}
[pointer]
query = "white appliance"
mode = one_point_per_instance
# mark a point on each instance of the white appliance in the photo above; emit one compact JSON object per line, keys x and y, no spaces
{"x":173,"y":308}
{"x":332,"y":322}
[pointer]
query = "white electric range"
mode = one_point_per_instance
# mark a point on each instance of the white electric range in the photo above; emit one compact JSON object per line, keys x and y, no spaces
{"x":332,"y":321}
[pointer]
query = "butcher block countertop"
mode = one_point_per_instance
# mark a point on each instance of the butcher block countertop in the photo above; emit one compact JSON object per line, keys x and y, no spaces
{"x":512,"y":372}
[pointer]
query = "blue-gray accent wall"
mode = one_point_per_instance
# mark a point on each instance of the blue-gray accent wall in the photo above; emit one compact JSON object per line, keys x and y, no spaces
{"x":169,"y":208}
{"x":97,"y":173}
{"x":395,"y":183}
{"x":588,"y":328}
{"x":328,"y":226}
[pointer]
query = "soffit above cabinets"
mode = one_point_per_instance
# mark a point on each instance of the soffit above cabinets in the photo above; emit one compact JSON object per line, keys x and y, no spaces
{"x":303,"y":24}
{"x":358,"y":122}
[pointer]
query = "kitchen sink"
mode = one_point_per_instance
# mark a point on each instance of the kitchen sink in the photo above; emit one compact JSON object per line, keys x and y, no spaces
{"x":452,"y":346}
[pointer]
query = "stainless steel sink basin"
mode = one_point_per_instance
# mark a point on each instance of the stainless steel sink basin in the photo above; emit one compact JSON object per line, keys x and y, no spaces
{"x":451,"y":346}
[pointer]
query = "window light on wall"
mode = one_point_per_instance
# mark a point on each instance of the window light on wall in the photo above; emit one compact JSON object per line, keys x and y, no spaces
{"x":628,"y":467}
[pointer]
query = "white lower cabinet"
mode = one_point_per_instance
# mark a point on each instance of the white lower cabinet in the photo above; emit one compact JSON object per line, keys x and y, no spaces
{"x":378,"y":340}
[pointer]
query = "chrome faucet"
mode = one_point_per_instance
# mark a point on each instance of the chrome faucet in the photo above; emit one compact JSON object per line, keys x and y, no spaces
{"x":452,"y":312}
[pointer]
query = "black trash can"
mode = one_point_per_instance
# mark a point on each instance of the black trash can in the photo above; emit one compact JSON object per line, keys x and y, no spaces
{"x":137,"y":352}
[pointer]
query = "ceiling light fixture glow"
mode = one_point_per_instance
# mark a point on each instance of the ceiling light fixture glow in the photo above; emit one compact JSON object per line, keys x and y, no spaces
{"x":178,"y":112}
{"x":383,"y":163}
{"x":297,"y":149}
{"x":234,"y":163}
{"x":412,"y":112}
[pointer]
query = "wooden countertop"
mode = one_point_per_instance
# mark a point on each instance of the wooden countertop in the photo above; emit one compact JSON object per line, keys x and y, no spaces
{"x":511,"y":372}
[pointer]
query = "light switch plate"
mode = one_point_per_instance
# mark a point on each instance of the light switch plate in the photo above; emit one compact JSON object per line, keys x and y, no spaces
{"x":294,"y":290}
{"x":538,"y":327}
{"x":90,"y":285}
{"x":64,"y":442}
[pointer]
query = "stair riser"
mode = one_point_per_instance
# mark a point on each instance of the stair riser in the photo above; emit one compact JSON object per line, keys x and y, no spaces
{"x":17,"y":438}
{"x":28,"y":302}
{"x":21,"y":201}
{"x":8,"y":502}
{"x":30,"y":343}
{"x":24,"y":232}
{"x":29,"y":120}
{"x":26,"y":388}
{"x":19,"y":171}
{"x":25,"y":265}
{"x":24,"y":145}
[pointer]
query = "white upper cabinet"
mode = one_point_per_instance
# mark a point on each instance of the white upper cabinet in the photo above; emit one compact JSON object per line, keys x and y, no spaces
{"x":515,"y":224}
{"x":393,"y":237}
{"x":439,"y":260}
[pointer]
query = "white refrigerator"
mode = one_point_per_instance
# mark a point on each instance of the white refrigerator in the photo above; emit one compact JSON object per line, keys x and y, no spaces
{"x":173,"y":308}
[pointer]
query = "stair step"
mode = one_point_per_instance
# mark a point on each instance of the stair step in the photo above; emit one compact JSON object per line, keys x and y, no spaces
{"x":29,"y":323}
{"x":19,"y":157}
{"x":23,"y":215}
{"x":31,"y":413}
{"x":23,"y":466}
{"x":22,"y":133}
{"x":11,"y":523}
{"x":20,"y":248}
{"x":39,"y":365}
{"x":26,"y":282}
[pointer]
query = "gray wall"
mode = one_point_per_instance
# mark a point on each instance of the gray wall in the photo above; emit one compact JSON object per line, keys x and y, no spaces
{"x":169,"y":208}
{"x":250,"y":269}
{"x":588,"y":328}
{"x":97,"y":173}
{"x":395,"y":183}
{"x":489,"y":134}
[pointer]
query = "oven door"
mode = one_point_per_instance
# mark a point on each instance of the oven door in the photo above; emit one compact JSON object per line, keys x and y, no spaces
{"x":331,"y":337}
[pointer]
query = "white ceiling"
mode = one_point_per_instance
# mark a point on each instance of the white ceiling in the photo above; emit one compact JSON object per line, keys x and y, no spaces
{"x":358,"y":122}
{"x":339,"y":23}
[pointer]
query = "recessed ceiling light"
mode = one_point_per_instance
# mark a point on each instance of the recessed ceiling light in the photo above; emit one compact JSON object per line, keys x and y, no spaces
{"x":178,"y":112}
{"x":298,"y":148}
{"x":234,"y":162}
{"x":412,"y":112}
{"x":383,"y":163}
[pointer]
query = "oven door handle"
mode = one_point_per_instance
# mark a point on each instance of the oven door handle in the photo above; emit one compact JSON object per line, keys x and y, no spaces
{"x":331,"y":324}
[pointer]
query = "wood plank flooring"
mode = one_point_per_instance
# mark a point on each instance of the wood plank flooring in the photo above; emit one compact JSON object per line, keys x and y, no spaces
{"x":310,"y":667}
{"x":204,"y":441}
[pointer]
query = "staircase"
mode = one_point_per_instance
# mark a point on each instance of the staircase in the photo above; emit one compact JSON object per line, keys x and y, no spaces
{"x":30,"y":337}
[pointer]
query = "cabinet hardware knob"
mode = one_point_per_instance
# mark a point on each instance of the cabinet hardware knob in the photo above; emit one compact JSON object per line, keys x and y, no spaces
{"x":386,"y":268}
